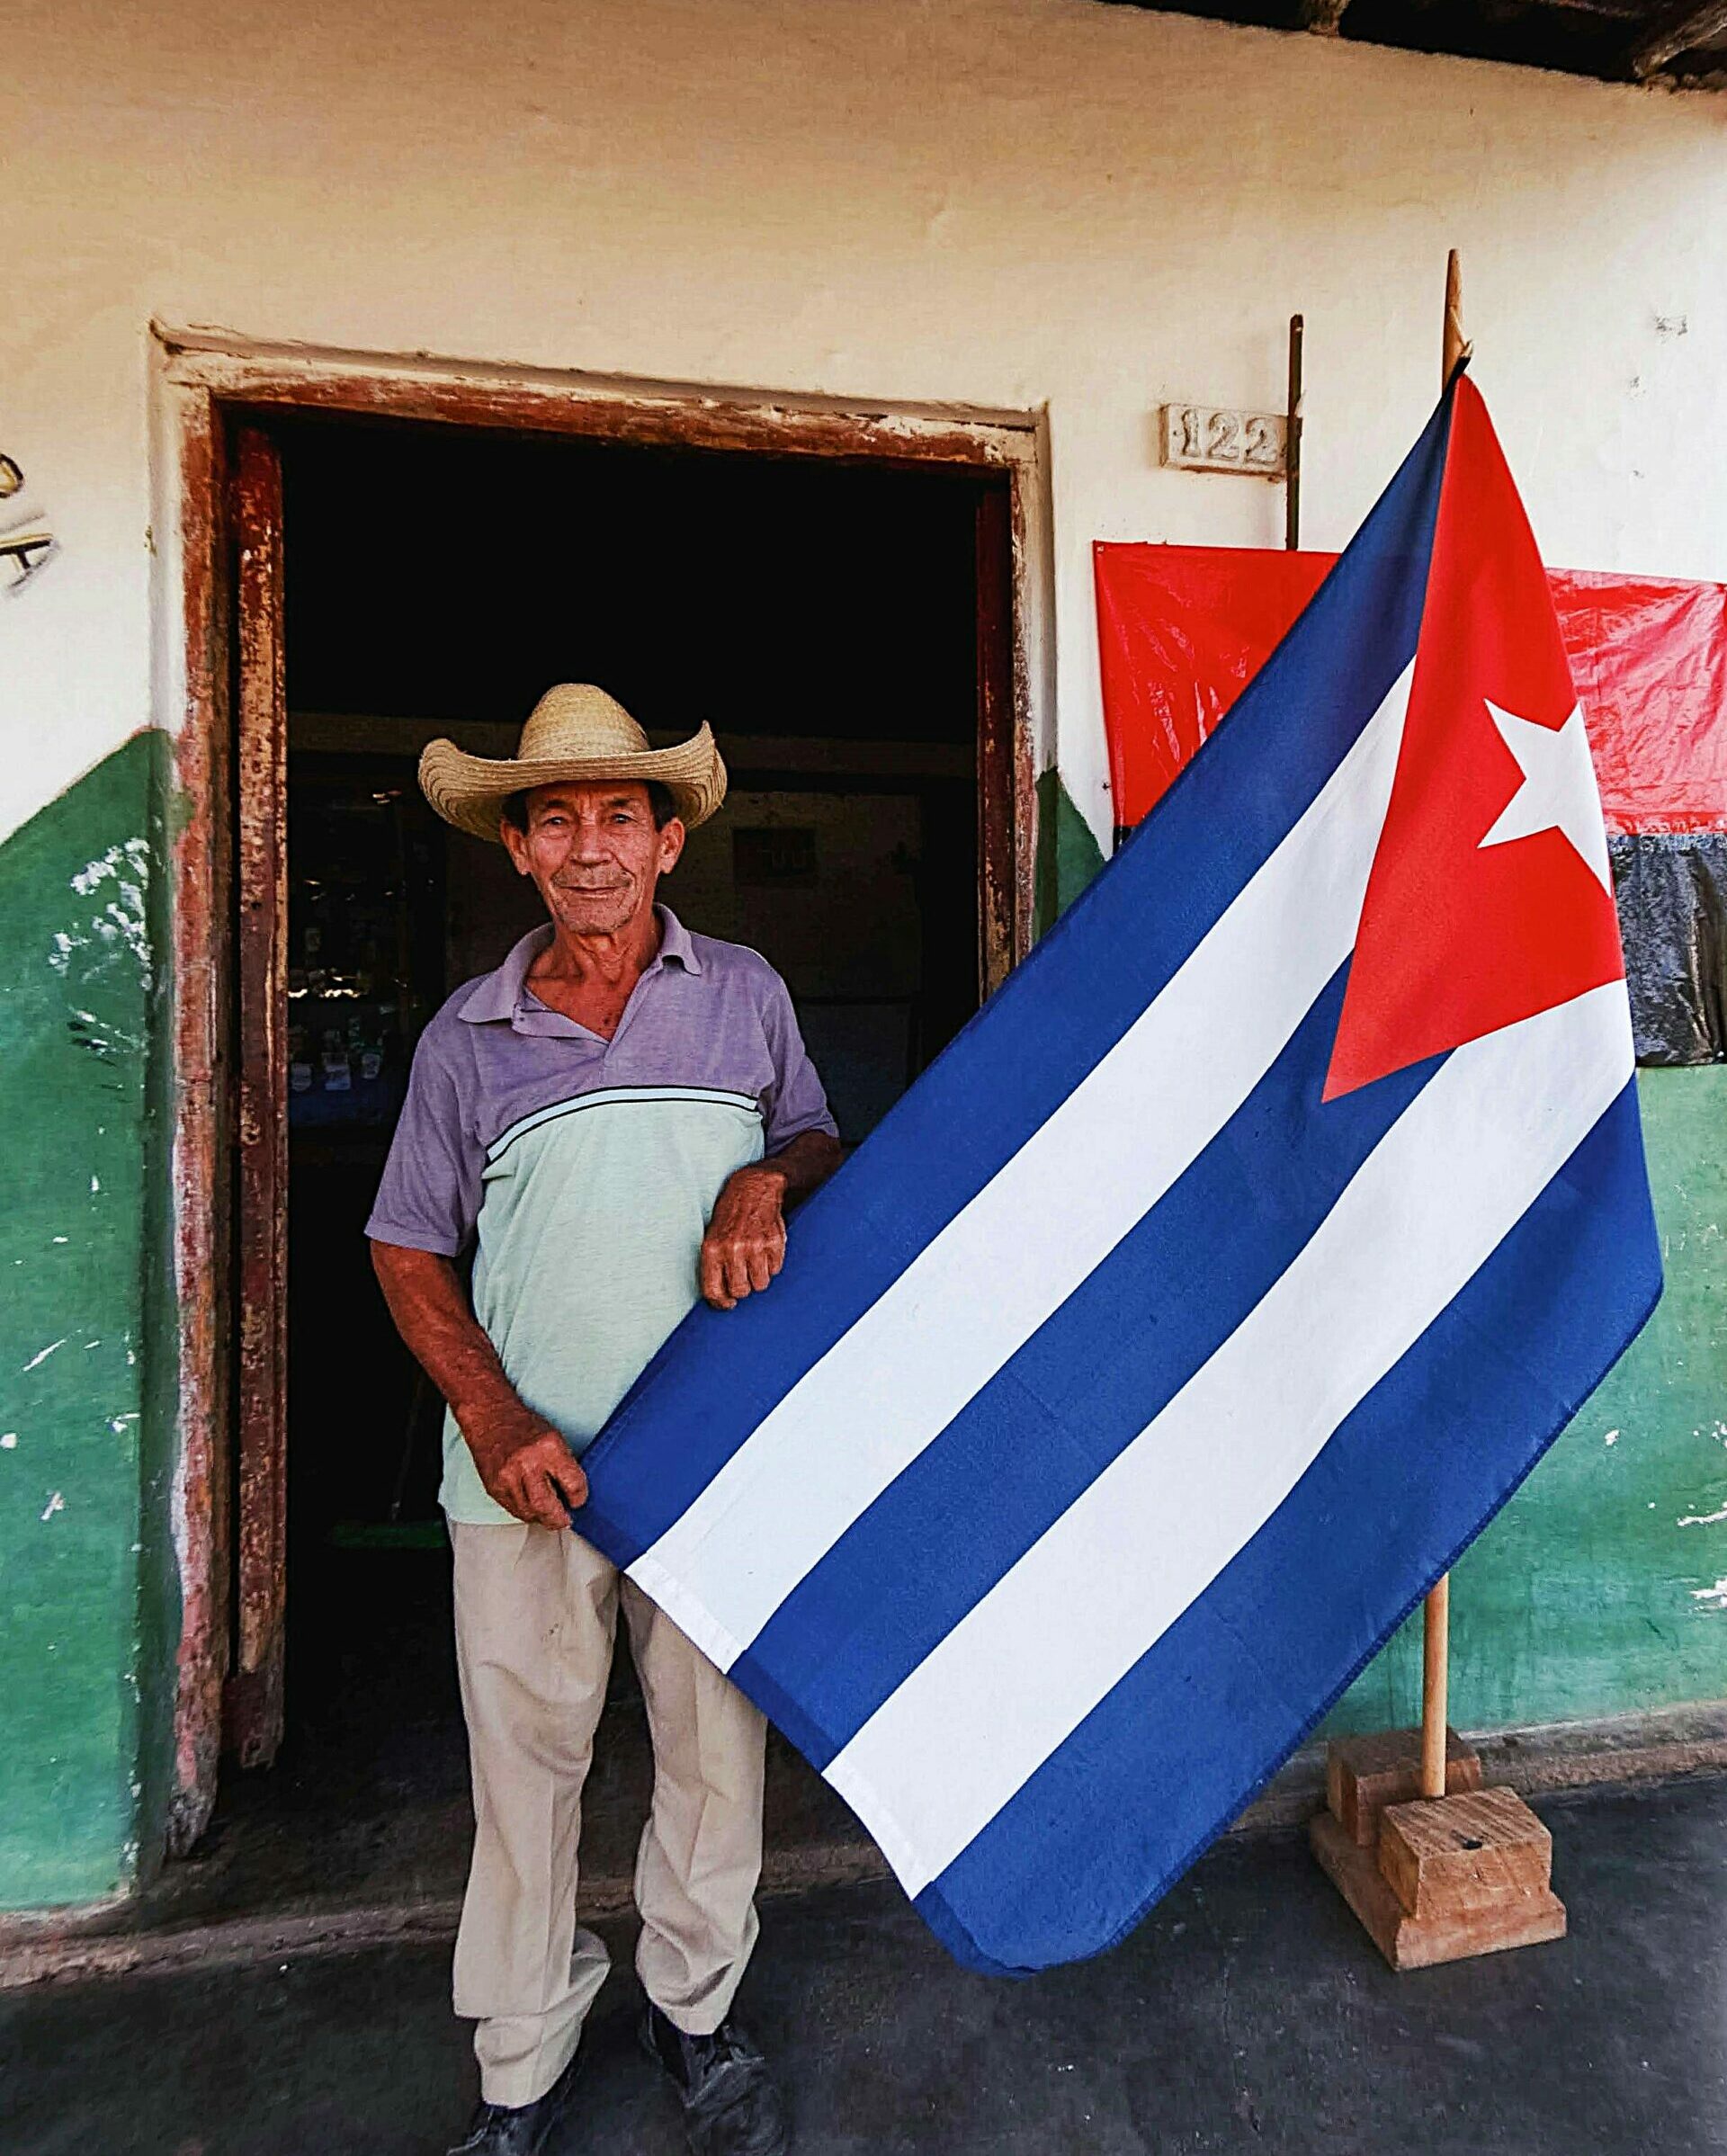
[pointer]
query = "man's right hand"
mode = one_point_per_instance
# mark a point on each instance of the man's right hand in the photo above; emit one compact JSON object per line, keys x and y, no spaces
{"x":524,"y":1462}
{"x":529,"y":1471}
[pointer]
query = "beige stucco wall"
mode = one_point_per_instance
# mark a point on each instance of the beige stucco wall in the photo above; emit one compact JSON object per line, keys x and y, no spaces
{"x":1014,"y":205}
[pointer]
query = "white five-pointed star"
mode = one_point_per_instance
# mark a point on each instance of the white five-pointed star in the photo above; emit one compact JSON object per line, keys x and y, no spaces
{"x":1558,"y":792}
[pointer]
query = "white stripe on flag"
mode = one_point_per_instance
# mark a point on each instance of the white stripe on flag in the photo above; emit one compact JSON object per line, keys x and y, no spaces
{"x":1030,"y":1661}
{"x":978,"y":1290}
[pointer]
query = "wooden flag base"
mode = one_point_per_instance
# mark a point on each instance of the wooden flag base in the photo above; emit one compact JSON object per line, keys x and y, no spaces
{"x":1435,"y":1879}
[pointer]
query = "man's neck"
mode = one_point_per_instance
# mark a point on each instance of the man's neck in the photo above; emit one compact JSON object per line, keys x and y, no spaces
{"x":600,"y":962}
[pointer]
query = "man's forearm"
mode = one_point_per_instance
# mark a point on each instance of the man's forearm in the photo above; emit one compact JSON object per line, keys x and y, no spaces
{"x":437,"y":1324}
{"x":524,"y":1463}
{"x":805,"y":1163}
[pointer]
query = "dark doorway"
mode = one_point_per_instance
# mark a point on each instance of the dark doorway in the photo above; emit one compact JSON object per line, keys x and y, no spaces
{"x":831,"y":620}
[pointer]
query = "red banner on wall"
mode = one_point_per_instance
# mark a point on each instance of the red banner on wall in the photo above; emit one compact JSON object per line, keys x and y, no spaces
{"x":1182,"y":630}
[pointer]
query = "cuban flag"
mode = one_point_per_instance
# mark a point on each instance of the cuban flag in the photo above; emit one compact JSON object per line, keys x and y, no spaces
{"x":1188,"y":1317}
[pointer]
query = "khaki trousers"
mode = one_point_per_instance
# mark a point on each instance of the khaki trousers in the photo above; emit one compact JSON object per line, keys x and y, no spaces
{"x":536,"y":1613}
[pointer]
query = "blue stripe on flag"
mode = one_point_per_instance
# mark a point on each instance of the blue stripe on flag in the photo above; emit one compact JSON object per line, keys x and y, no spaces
{"x":1085,"y":1384}
{"x":1117,"y":947}
{"x":1074,"y":1859}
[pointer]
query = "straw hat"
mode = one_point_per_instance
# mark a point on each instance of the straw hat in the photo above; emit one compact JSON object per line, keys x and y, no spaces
{"x":575,"y":731}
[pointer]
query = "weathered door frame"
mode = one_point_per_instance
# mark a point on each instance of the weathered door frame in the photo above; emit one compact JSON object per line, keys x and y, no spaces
{"x":217,"y":546}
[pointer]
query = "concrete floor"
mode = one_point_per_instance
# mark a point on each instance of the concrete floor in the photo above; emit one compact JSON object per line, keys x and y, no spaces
{"x":1248,"y":2014}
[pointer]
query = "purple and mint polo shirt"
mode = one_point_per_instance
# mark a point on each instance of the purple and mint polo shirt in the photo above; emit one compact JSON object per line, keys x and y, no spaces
{"x":587,"y":1168}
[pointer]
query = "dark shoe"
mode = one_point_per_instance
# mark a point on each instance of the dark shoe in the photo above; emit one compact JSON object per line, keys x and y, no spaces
{"x":533,"y":2129}
{"x":731,"y":2106}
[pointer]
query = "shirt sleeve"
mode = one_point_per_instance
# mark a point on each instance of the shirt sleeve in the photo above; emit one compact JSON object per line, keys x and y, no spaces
{"x":429,"y":1197}
{"x":796,"y":1101}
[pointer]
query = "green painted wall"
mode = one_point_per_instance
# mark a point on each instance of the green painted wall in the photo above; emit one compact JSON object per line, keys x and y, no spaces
{"x":1601,"y":1587}
{"x":1068,"y":855}
{"x":88,"y":1612}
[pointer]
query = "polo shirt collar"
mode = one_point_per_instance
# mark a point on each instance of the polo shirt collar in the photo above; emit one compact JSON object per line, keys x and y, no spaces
{"x":498,"y":995}
{"x":675,"y":942}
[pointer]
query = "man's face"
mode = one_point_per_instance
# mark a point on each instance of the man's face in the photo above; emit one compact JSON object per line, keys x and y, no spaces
{"x":594,"y":854}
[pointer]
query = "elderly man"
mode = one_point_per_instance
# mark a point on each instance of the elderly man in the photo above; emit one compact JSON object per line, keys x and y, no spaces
{"x":620,"y":1116}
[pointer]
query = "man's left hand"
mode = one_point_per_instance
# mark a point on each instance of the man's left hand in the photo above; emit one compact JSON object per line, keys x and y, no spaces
{"x":744,"y":1245}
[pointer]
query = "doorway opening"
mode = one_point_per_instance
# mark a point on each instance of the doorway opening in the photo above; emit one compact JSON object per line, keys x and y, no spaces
{"x":845,"y":621}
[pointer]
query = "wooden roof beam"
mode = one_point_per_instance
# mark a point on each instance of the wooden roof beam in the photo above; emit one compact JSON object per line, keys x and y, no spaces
{"x":1674,"y":32}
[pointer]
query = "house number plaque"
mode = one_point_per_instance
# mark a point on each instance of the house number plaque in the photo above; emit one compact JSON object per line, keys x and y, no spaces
{"x":1198,"y":437}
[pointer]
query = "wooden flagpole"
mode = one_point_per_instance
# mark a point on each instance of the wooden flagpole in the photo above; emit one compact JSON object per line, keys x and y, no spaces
{"x":1436,"y":1628}
{"x":1435,"y":1866}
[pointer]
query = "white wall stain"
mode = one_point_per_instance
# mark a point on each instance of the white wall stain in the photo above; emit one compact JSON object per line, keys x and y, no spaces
{"x":1703,"y":1519}
{"x":8,"y":1441}
{"x":102,"y":1037}
{"x":1612,"y":1438}
{"x":1711,"y":1597}
{"x":108,"y":947}
{"x":42,"y":1354}
{"x":119,"y":924}
{"x":57,"y":1503}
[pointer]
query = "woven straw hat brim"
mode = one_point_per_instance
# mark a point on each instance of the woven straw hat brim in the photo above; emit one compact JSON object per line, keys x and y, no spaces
{"x":468,"y":791}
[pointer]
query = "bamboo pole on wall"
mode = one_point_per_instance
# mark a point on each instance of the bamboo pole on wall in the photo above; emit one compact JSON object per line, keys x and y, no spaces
{"x":1293,"y":438}
{"x":1435,"y":1622}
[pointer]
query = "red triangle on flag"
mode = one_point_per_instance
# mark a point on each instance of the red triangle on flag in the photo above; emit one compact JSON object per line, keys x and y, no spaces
{"x":1489,"y":897}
